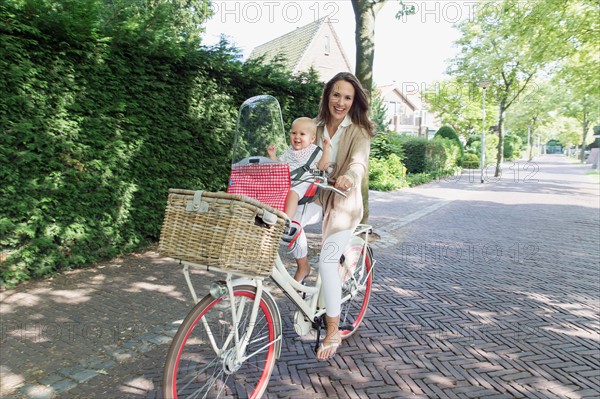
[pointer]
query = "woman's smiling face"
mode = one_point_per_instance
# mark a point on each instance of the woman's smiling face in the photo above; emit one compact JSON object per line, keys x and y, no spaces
{"x":340,"y":100}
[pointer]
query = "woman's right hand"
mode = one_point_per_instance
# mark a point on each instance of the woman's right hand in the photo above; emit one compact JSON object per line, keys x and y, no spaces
{"x":344,"y":183}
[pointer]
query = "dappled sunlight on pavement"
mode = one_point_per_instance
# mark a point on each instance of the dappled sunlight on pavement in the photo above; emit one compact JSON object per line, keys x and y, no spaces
{"x":480,"y":290}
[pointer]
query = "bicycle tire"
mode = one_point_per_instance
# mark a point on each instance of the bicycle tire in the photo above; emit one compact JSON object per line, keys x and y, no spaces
{"x":354,"y":309}
{"x":194,"y":370}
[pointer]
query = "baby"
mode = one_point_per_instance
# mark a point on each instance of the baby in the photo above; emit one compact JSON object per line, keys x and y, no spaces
{"x":302,"y":155}
{"x":302,"y":152}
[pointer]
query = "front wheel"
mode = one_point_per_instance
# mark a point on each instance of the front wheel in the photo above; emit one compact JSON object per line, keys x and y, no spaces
{"x":202,"y":361}
{"x":356,"y":274}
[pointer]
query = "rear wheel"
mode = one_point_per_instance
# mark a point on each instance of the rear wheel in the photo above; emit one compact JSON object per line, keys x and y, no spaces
{"x":202,"y":361}
{"x":356,"y":274}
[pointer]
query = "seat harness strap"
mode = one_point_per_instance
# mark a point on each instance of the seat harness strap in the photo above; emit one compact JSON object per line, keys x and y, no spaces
{"x":297,"y":173}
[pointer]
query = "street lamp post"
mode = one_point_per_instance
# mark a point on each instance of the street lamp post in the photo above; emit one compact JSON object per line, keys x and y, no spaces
{"x":597,"y":166}
{"x":529,"y":146}
{"x":484,"y":85}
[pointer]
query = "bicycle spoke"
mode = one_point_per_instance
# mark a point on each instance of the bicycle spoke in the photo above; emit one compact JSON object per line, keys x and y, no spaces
{"x":356,"y":287}
{"x":206,"y":355}
{"x":260,"y":349}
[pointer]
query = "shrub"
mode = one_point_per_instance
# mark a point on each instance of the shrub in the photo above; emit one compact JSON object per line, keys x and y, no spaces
{"x":419,"y":178}
{"x":448,"y":133}
{"x":512,"y":146}
{"x":491,"y":147}
{"x":94,"y":133}
{"x":415,"y":149}
{"x":441,"y":155}
{"x":470,"y":161}
{"x":385,"y":144}
{"x":387,"y":174}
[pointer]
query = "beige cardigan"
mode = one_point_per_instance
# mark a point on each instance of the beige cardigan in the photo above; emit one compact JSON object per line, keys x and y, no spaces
{"x":341,"y":213}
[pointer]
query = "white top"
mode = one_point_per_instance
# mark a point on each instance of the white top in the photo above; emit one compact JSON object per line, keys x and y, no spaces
{"x":335,"y":141}
{"x":299,"y":158}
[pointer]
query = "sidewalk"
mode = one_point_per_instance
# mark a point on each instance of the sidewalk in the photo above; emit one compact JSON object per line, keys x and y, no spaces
{"x":442,"y":326}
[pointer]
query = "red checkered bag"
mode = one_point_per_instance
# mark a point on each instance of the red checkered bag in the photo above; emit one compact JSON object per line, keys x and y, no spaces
{"x":268,"y":183}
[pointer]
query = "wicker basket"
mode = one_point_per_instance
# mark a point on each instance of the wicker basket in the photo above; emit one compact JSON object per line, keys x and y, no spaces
{"x":232,"y":232}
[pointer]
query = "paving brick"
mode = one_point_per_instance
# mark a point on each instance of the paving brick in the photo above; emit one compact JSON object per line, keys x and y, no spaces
{"x":84,"y":375}
{"x":520,"y":323}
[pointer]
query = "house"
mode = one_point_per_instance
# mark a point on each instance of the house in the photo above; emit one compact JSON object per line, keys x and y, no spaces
{"x":314,"y":45}
{"x":406,"y":113}
{"x":318,"y":46}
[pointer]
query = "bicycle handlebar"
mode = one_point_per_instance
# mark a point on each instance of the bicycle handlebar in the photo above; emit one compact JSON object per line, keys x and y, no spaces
{"x":320,"y":180}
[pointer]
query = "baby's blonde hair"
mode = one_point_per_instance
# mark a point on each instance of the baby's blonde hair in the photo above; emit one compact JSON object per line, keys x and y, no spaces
{"x":313,"y":124}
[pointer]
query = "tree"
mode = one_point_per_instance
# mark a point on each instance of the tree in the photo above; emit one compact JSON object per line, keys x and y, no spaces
{"x":493,"y":48}
{"x":509,"y":42}
{"x":533,"y":111}
{"x":365,"y":12}
{"x":565,"y":130}
{"x":585,"y":111}
{"x":459,"y":106}
{"x":580,"y":92}
{"x":379,"y":112}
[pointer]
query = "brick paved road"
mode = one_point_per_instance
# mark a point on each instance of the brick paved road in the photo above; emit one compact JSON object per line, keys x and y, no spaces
{"x":481,"y":291}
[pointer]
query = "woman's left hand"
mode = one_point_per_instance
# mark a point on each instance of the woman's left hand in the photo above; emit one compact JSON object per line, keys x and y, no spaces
{"x":344,"y":183}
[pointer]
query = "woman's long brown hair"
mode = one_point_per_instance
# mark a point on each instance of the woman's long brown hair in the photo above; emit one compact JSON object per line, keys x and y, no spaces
{"x":359,"y":112}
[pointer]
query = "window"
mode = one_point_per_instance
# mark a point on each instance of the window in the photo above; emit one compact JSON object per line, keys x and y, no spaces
{"x":327,"y":45}
{"x":392,"y":107}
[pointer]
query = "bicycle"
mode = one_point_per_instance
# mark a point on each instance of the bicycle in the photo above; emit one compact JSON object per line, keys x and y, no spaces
{"x":229,"y":342}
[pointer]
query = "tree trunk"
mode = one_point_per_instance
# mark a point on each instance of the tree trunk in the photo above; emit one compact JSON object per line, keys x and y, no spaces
{"x":365,"y":12}
{"x":530,"y":149}
{"x":586,"y":125}
{"x":500,"y":153}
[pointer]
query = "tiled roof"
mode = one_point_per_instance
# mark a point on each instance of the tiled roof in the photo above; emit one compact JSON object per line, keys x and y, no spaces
{"x":412,"y":101}
{"x":291,"y":46}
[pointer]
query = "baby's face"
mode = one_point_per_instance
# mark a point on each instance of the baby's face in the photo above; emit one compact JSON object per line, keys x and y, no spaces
{"x":302,"y":135}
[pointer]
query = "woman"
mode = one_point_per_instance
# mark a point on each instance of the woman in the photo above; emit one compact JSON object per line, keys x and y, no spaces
{"x":344,"y":120}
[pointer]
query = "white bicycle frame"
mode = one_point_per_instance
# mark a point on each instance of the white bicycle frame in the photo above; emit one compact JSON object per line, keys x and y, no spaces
{"x":312,"y":307}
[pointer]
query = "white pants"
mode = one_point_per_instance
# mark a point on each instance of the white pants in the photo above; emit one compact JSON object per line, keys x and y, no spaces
{"x":331,"y":251}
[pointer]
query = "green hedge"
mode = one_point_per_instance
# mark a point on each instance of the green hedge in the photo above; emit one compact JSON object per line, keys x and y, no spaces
{"x":470,"y":161}
{"x":95,"y":132}
{"x":491,"y":147}
{"x":386,"y":170}
{"x":400,"y":160}
{"x":415,"y":151}
{"x":448,"y":133}
{"x":513,"y":145}
{"x":387,"y":174}
{"x":441,"y":155}
{"x":423,"y":156}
